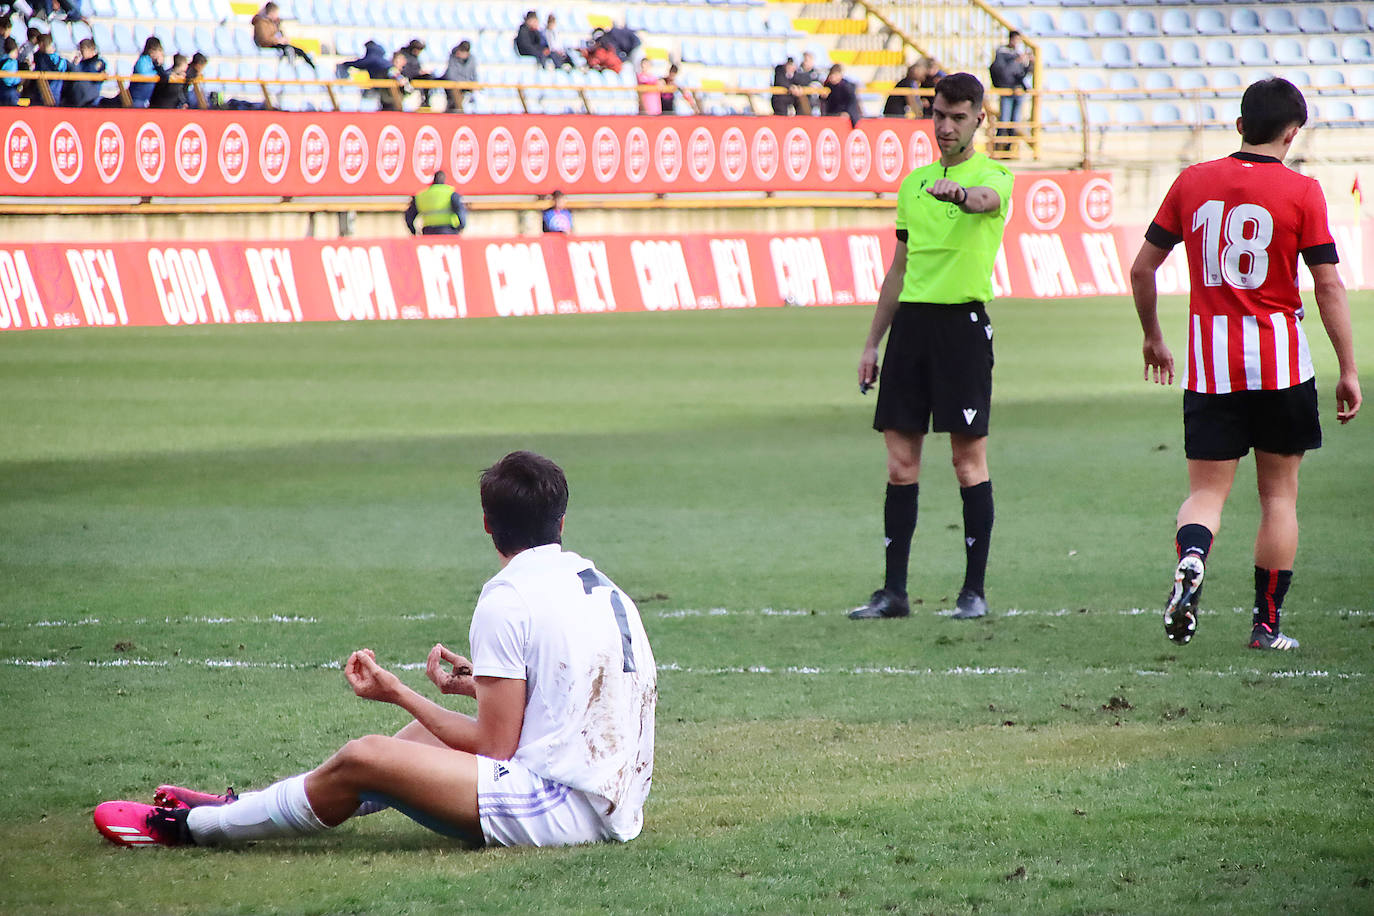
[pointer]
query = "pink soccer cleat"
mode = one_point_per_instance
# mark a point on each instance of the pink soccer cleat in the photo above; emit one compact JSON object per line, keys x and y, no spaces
{"x":126,"y":823}
{"x":177,"y":797}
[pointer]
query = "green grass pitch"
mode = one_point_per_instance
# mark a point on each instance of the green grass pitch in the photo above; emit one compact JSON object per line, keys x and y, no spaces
{"x":194,"y":525}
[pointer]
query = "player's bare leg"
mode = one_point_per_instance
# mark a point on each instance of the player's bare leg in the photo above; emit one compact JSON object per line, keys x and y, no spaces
{"x":970,"y":458}
{"x":1276,"y":545}
{"x":1199,"y":518}
{"x":899,"y":525}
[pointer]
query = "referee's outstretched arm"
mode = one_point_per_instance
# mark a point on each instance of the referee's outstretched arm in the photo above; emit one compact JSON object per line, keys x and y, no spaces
{"x":882,"y":315}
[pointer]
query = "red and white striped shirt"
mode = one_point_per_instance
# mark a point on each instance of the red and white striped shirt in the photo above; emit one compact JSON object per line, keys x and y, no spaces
{"x":1243,"y":220}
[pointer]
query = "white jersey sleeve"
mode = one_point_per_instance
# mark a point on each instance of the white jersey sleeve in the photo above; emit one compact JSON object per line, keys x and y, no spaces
{"x":500,"y":633}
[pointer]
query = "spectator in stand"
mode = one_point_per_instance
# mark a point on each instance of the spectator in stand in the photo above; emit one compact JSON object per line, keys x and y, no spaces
{"x":412,"y":68}
{"x":85,"y":93}
{"x":622,"y":40}
{"x":461,"y":69}
{"x":558,"y":218}
{"x":1010,"y":71}
{"x":560,"y":56}
{"x":805,"y":78}
{"x":267,"y":33}
{"x":47,"y":60}
{"x":168,"y":91}
{"x":29,"y":48}
{"x":52,"y":9}
{"x":601,"y":56}
{"x":529,"y":41}
{"x":439,"y":209}
{"x":149,"y":63}
{"x":843,"y":97}
{"x":898,"y":104}
{"x":195,"y":72}
{"x":785,"y":103}
{"x":376,"y":65}
{"x":668,"y":97}
{"x":9,"y":85}
{"x":395,"y":100}
{"x":6,"y":26}
{"x":649,"y":102}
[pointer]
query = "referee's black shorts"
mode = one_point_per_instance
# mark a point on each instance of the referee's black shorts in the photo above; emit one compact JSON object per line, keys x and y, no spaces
{"x":937,"y":370}
{"x":1222,"y":427}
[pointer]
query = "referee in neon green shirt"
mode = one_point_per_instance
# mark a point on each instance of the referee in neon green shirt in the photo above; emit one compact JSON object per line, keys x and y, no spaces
{"x":937,"y":371}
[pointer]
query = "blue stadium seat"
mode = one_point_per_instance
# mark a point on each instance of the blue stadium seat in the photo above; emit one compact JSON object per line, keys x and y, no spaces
{"x":1322,"y":51}
{"x":1279,"y":20}
{"x":1159,"y":79}
{"x":1151,"y":54}
{"x":124,"y":9}
{"x":1107,"y":24}
{"x":102,"y":9}
{"x":1185,"y":53}
{"x":1056,"y":81}
{"x":1245,"y":21}
{"x":1117,"y":54}
{"x":1192,"y":79}
{"x":1287,"y":53}
{"x":1364,"y":110}
{"x":1227,"y":79}
{"x":103,"y":33}
{"x":1328,"y":79}
{"x":1126,"y":113}
{"x":1220,"y":53}
{"x":1123,"y":81}
{"x":1176,"y":22}
{"x":1075,"y":25}
{"x":1141,"y":23}
{"x":1052,"y":55}
{"x":1040,"y":23}
{"x":1090,"y":81}
{"x":1068,"y":113}
{"x":1363,"y":79}
{"x":1356,"y":51}
{"x":1334,"y":111}
{"x":1348,"y":19}
{"x":1211,"y":21}
{"x":1166,"y":114}
{"x":1081,"y":54}
{"x":1313,"y":19}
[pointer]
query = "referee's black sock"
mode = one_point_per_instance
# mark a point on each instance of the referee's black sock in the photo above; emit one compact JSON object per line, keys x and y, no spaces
{"x":977,"y":533}
{"x":1195,"y":539}
{"x":899,"y":524}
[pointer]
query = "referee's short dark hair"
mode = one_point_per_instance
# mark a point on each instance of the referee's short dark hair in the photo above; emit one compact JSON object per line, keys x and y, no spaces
{"x":961,"y":87}
{"x":1268,"y":108}
{"x":524,"y":499}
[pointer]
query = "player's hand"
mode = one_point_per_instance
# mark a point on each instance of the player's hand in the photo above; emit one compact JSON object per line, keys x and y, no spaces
{"x":868,"y":369}
{"x":370,"y":680}
{"x":1348,"y":398}
{"x":1160,"y":361}
{"x":951,"y":192}
{"x":458,"y":679}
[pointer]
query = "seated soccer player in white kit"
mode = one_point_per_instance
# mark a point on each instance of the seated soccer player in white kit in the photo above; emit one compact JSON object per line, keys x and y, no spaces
{"x":561,"y":750}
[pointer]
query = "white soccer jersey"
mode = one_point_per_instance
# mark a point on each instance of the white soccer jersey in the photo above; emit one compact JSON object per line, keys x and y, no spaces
{"x":552,"y":618}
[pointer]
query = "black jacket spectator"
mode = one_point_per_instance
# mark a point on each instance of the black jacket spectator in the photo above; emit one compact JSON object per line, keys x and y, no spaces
{"x":622,"y":40}
{"x":374,"y":61}
{"x":843,"y":98}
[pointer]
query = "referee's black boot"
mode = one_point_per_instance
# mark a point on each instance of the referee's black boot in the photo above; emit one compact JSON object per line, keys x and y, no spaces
{"x":970,"y":605}
{"x":883,"y":603}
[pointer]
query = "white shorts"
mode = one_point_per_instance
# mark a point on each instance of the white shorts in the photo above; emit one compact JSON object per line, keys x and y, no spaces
{"x":520,"y":808}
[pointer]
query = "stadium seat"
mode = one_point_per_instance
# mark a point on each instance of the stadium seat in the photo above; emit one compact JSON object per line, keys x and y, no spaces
{"x":1185,"y":53}
{"x":1075,"y":25}
{"x":1280,"y":21}
{"x":1287,"y":53}
{"x":1227,"y":79}
{"x":1081,"y":54}
{"x":1335,"y":111}
{"x":1220,"y":53}
{"x":1068,"y":113}
{"x":1211,"y":21}
{"x":1107,"y":24}
{"x":1348,"y":19}
{"x":1052,"y":55}
{"x":1364,"y":110}
{"x":1363,"y":79}
{"x":1041,"y":24}
{"x":1123,"y":81}
{"x":1159,"y":79}
{"x":1166,"y":114}
{"x":1245,"y":21}
{"x":1176,"y":22}
{"x":1192,"y":79}
{"x":1151,"y":54}
{"x":1056,"y":81}
{"x":1356,"y":51}
{"x":1090,"y":82}
{"x":1127,"y":113}
{"x":124,"y":9}
{"x":1255,"y":53}
{"x":1313,"y":19}
{"x":1328,"y":79}
{"x":1141,"y":23}
{"x":1322,"y":51}
{"x":102,"y":9}
{"x":1117,"y":54}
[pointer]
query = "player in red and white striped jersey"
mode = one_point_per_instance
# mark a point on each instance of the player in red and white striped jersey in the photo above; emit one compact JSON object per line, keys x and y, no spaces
{"x":1249,"y":383}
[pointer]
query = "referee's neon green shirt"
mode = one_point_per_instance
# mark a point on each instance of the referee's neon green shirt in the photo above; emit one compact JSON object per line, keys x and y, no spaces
{"x":950,"y":253}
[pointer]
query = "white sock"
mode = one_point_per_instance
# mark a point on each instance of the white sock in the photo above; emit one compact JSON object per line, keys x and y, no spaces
{"x":281,"y":809}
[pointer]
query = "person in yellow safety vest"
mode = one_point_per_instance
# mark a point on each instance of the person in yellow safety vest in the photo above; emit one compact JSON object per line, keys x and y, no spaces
{"x":439,"y":208}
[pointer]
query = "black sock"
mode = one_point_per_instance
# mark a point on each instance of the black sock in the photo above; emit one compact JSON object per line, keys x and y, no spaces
{"x":1271,"y":586}
{"x":977,"y":533}
{"x":1193,"y":539}
{"x":899,"y":524}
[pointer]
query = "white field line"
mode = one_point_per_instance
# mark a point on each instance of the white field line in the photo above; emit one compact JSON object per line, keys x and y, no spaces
{"x":675,"y":668}
{"x":143,"y":621}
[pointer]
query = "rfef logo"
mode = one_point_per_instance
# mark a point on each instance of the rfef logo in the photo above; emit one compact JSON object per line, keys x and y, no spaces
{"x":109,"y":151}
{"x":274,"y":153}
{"x":314,"y":155}
{"x":1096,"y":202}
{"x":636,"y":154}
{"x":701,"y":154}
{"x":571,"y":155}
{"x":605,"y":154}
{"x":828,"y":154}
{"x":765,"y":155}
{"x":500,"y":155}
{"x":920,"y":151}
{"x":858,"y":155}
{"x":428,"y":153}
{"x":64,"y":148}
{"x":21,"y":151}
{"x":353,"y":154}
{"x":889,"y":156}
{"x":190,"y":150}
{"x":1045,"y":204}
{"x":733,"y":154}
{"x":464,"y":155}
{"x":668,"y":154}
{"x":534,"y":155}
{"x":233,"y":153}
{"x":150,"y":152}
{"x":391,"y":154}
{"x":796,"y":154}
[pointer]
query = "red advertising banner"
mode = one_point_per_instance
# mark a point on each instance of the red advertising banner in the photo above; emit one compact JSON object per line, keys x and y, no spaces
{"x":1059,"y":243}
{"x":51,"y":152}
